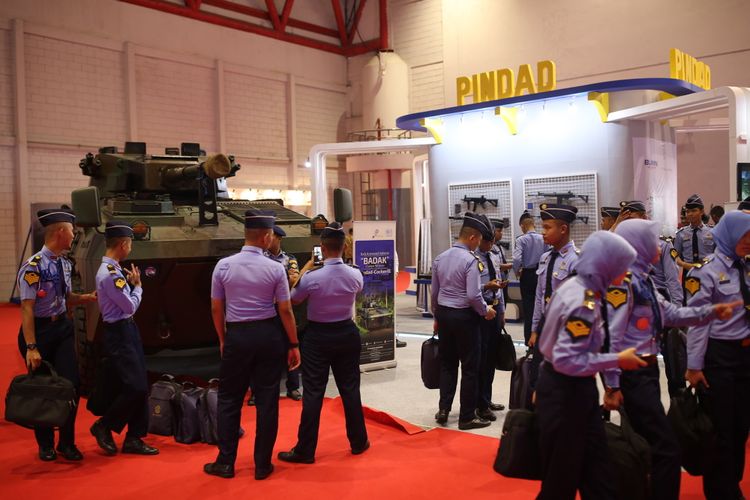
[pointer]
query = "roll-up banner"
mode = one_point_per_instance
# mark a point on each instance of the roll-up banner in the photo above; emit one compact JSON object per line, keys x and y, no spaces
{"x":375,"y":312}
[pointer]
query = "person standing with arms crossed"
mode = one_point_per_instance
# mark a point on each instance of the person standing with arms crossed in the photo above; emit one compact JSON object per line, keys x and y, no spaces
{"x":46,"y":332}
{"x":332,"y":343}
{"x":458,"y":307}
{"x":119,"y":297}
{"x":693,"y":242}
{"x":244,"y":289}
{"x":526,"y":254}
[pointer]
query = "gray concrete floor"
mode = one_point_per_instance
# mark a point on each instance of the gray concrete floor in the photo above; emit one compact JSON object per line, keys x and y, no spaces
{"x":399,"y":391}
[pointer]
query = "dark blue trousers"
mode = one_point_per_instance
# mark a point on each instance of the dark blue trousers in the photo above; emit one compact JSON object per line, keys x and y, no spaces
{"x":571,"y":437}
{"x":123,"y":345}
{"x":335,"y":347}
{"x":458,"y":330}
{"x":727,"y":400}
{"x":55,"y":342}
{"x":489,"y":332}
{"x":253,"y":351}
{"x":527,"y":284}
{"x":642,"y":404}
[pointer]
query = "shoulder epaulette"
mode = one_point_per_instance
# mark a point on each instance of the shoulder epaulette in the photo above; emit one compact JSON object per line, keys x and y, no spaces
{"x":315,"y":268}
{"x":680,"y":229}
{"x":628,"y":277}
{"x":355,"y":266}
{"x":33,"y":261}
{"x":112,"y":269}
{"x":588,"y":299}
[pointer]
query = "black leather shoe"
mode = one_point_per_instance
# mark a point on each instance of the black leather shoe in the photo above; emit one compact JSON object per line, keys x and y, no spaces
{"x":70,"y":452}
{"x":364,"y":448}
{"x":136,"y":446}
{"x":103,"y":438}
{"x":475,"y":423}
{"x":262,"y":474}
{"x":496,"y":407}
{"x":221,"y":470}
{"x":47,"y":454}
{"x":293,"y":457}
{"x":295,"y":395}
{"x":251,"y":400}
{"x":486,"y":414}
{"x":441,"y":417}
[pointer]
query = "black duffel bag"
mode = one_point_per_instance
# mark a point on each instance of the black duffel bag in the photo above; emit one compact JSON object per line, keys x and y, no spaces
{"x":39,"y":399}
{"x":694,"y":430}
{"x":518,"y":455}
{"x":520,"y":384}
{"x":430,"y":362}
{"x":629,"y":460}
{"x":505,"y":352}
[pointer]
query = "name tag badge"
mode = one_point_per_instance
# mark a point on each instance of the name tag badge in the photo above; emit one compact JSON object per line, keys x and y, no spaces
{"x":723,"y":279}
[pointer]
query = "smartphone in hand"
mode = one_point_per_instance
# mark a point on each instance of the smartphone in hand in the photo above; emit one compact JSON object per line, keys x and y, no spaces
{"x":317,"y":255}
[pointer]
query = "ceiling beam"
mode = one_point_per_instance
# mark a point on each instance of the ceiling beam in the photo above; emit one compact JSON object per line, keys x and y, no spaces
{"x":355,"y":23}
{"x":285,"y":13}
{"x":273,"y":14}
{"x":340,"y":21}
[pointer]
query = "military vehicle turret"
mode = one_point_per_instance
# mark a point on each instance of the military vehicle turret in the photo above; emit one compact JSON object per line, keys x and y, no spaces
{"x":184,"y":222}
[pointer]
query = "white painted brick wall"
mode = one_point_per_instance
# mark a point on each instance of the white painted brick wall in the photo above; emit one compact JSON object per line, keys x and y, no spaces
{"x":256,"y":116}
{"x":8,"y":260}
{"x":426,"y":87}
{"x":320,"y":119}
{"x":74,"y":92}
{"x":6,"y":84}
{"x":176,"y":103}
{"x":54,"y":173}
{"x":258,"y":175}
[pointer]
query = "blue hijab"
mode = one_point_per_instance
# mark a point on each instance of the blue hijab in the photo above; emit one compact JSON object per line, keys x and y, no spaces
{"x":643,"y":236}
{"x":730,"y":229}
{"x":604,"y":257}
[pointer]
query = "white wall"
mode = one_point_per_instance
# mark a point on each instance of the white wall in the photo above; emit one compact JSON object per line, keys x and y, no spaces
{"x":100,"y":72}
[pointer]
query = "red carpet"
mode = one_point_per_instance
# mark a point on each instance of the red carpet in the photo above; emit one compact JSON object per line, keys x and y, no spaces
{"x":402,"y":463}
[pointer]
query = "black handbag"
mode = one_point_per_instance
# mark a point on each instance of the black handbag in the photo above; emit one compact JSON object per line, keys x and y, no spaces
{"x":629,"y":459}
{"x":505,"y":352}
{"x":518,"y":454}
{"x":107,"y":386}
{"x":520,"y":384}
{"x":430,"y":363}
{"x":694,"y":430}
{"x":39,"y":399}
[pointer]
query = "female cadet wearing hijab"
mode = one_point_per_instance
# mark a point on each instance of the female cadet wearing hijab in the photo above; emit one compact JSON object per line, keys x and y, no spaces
{"x":572,"y":440}
{"x":637,"y":316}
{"x":719,"y":353}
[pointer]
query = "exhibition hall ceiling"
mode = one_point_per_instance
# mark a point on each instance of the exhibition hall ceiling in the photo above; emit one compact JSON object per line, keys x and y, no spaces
{"x":344,"y":27}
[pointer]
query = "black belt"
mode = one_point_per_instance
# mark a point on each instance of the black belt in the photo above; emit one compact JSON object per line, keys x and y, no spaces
{"x":531,"y":268}
{"x":738,"y":342}
{"x":251,"y":322}
{"x":331,"y":324}
{"x":44,"y":320}
{"x":121,"y":321}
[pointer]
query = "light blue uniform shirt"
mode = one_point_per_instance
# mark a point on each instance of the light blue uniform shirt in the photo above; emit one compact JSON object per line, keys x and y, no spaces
{"x":490,"y":296}
{"x":666,"y":272}
{"x":250,"y":284}
{"x":330,"y":291}
{"x":632,"y":322}
{"x":528,"y":250}
{"x":565,"y":264}
{"x":39,"y":280}
{"x":499,"y":252}
{"x":683,"y":242}
{"x":283,"y":258}
{"x":573,"y":332}
{"x":713,"y":283}
{"x":455,"y":280}
{"x":117,"y":298}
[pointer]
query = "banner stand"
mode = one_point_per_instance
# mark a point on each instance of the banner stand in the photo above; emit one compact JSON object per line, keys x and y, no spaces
{"x":374,"y":309}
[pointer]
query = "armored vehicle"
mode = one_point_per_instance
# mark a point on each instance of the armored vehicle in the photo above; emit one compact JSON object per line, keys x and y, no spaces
{"x":184,"y":222}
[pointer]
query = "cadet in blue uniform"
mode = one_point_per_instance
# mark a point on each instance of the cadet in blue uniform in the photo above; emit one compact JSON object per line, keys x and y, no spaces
{"x":609,"y":216}
{"x":247,"y":289}
{"x":499,"y":252}
{"x":572,"y":441}
{"x":492,"y":292}
{"x":695,"y":241}
{"x":119,"y":293}
{"x":526,"y":254}
{"x":719,"y":353}
{"x":46,"y":332}
{"x":332,"y":343}
{"x":555,"y":266}
{"x":458,"y":306}
{"x":665,"y":274}
{"x":637,"y":316}
{"x":292,"y":270}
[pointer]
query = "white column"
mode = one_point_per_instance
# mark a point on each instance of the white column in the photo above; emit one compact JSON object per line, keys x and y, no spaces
{"x":132,"y":97}
{"x":291,"y":125}
{"x":23,"y":219}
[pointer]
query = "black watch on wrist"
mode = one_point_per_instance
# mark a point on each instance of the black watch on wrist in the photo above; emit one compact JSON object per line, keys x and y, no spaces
{"x":293,"y":345}
{"x":31,"y":347}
